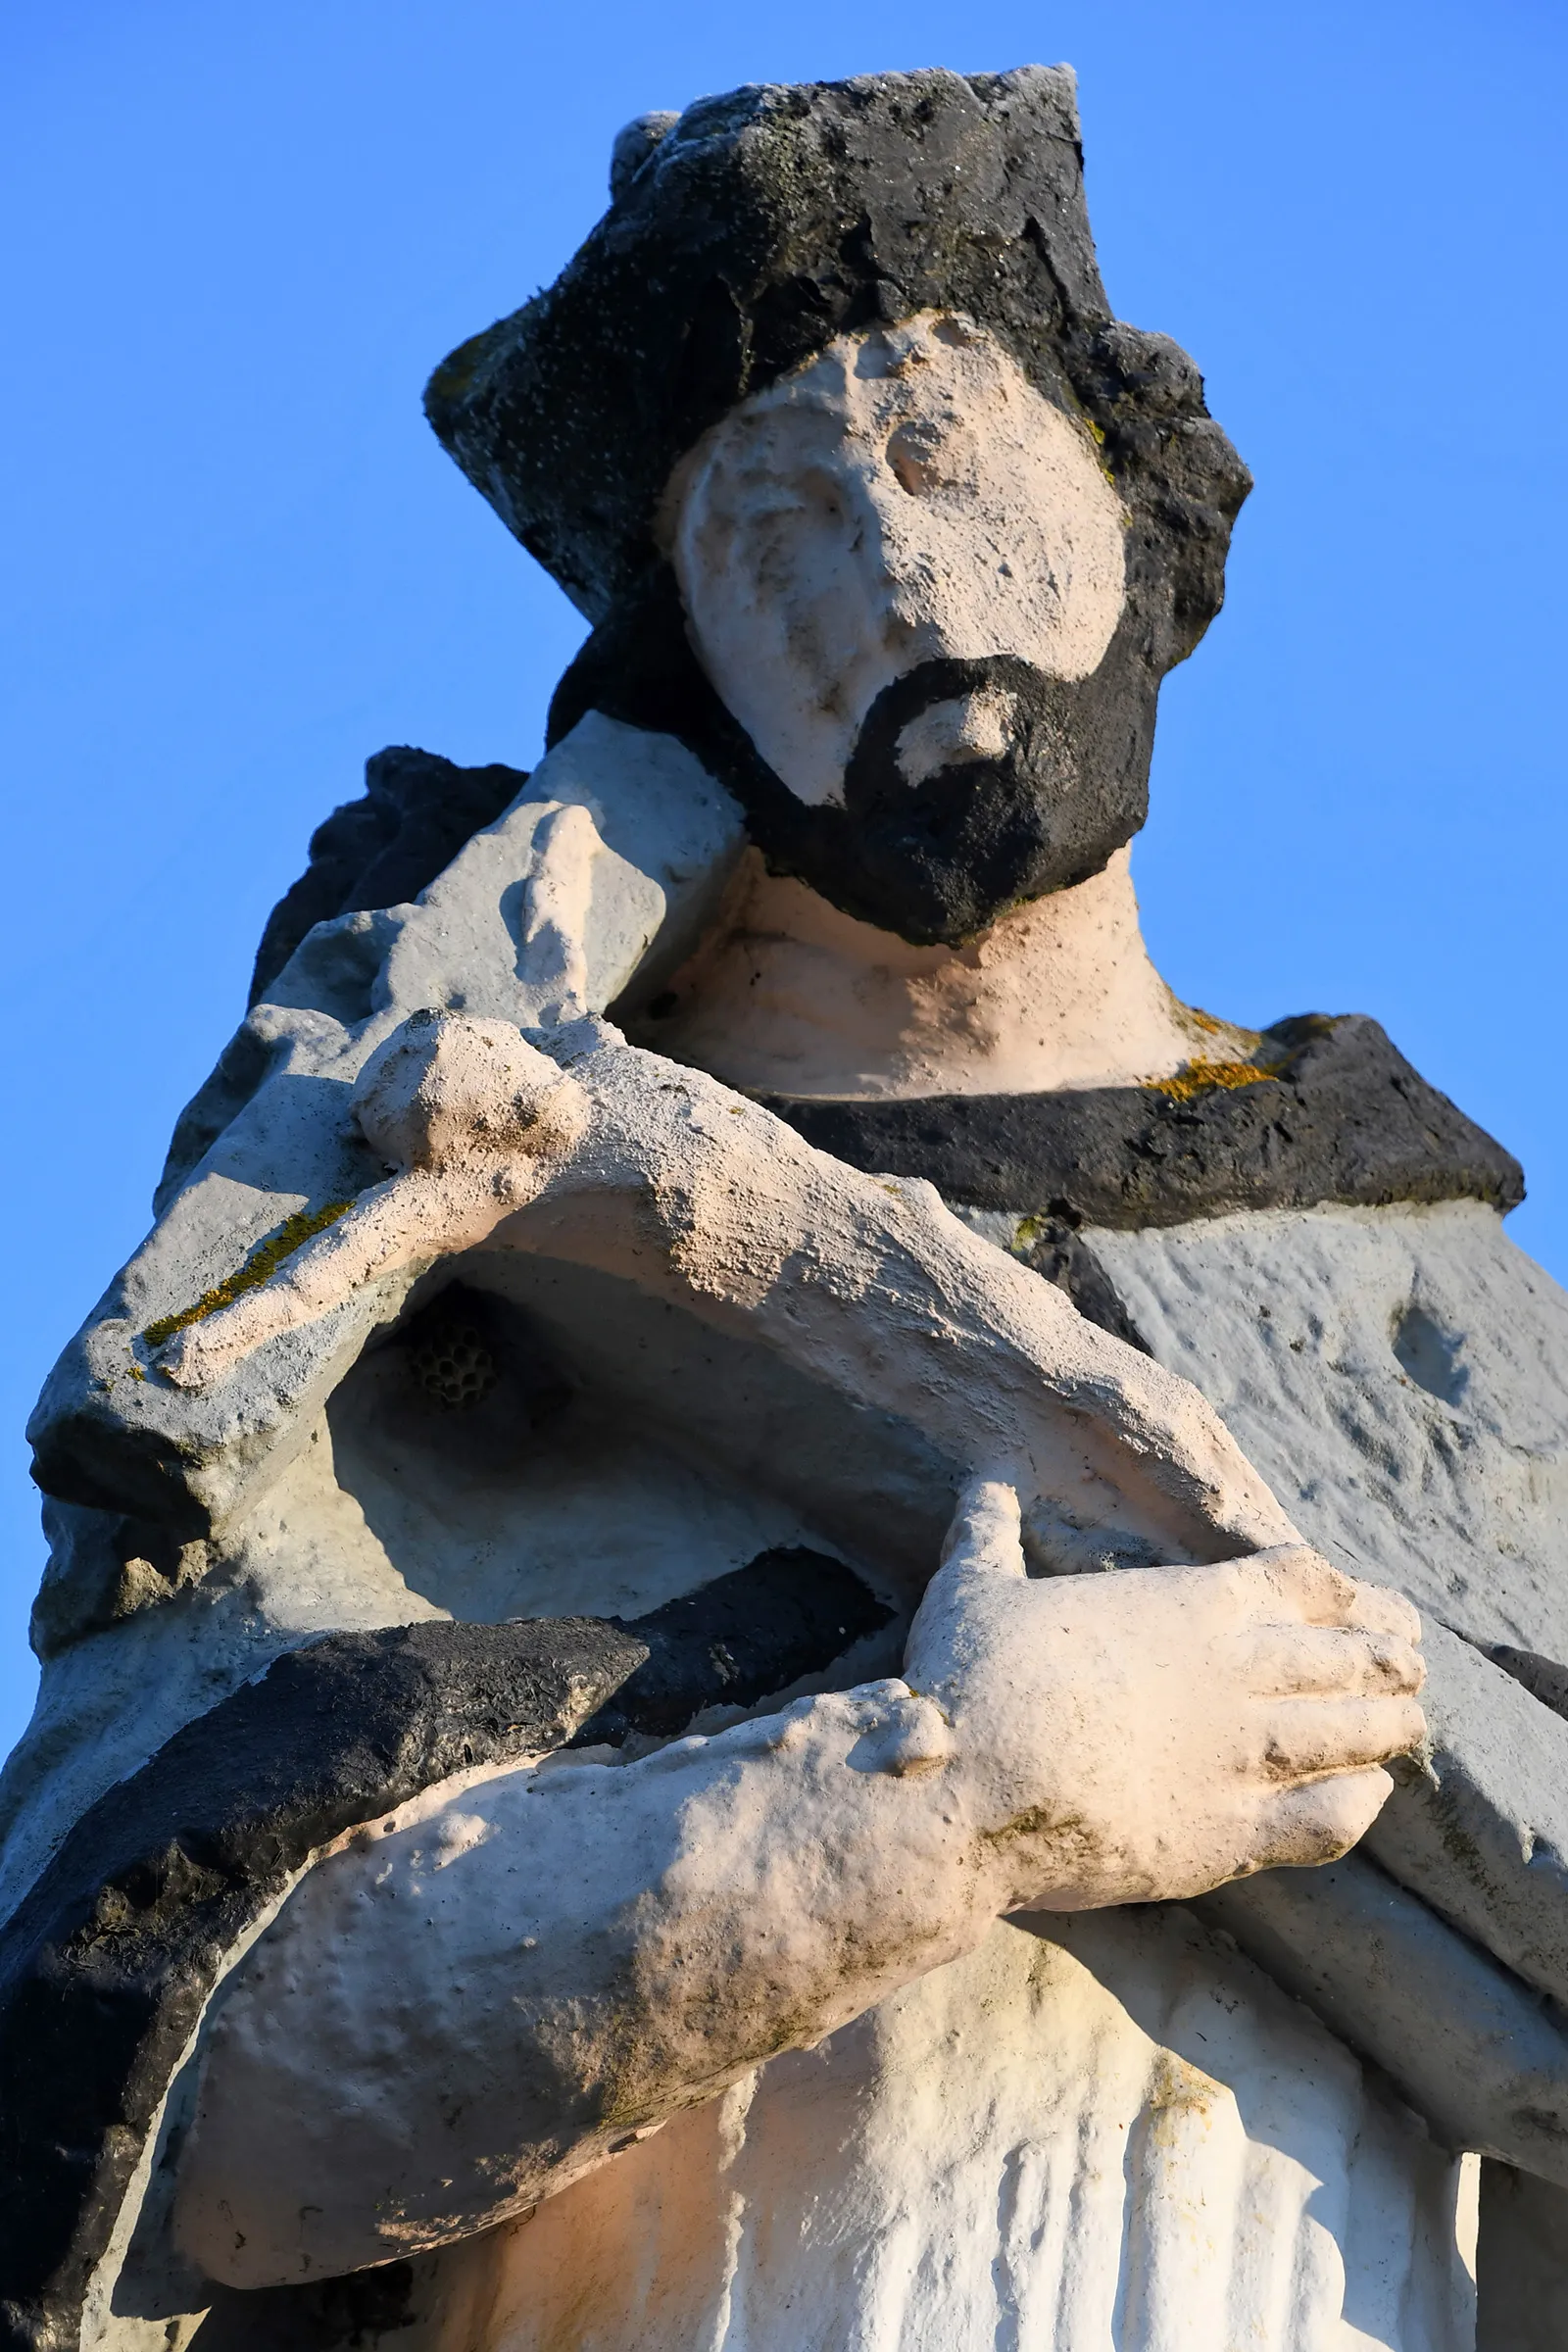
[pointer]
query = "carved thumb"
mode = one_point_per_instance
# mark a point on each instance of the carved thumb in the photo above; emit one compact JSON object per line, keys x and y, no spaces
{"x":984,"y":1550}
{"x":987,"y":1529}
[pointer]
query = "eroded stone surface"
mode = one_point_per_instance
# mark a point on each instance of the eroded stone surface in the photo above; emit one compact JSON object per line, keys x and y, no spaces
{"x":703,"y":1218}
{"x":1314,"y":1109}
{"x":707,"y":1213}
{"x":1291,"y":1323}
{"x":1459,"y":2036}
{"x":950,"y":513}
{"x":1482,"y":1832}
{"x":1149,"y":2122}
{"x":760,"y":230}
{"x":720,"y":1180}
{"x":416,"y":814}
{"x":827,"y":1855}
{"x":107,"y":1965}
{"x":519,"y":924}
{"x":427,"y":1281}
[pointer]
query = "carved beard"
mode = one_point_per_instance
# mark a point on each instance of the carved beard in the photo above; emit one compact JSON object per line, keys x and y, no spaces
{"x":935,"y":861}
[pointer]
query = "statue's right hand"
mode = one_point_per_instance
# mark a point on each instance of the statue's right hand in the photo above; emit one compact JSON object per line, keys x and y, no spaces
{"x":1148,"y":1734}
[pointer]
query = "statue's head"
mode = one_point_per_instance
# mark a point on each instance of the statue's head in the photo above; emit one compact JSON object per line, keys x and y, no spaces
{"x":830,"y":432}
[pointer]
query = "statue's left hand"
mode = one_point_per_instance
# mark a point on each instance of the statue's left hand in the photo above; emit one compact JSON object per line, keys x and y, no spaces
{"x":1149,"y":1734}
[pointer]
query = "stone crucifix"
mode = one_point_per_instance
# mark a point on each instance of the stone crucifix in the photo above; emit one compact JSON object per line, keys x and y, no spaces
{"x":732,"y":1644}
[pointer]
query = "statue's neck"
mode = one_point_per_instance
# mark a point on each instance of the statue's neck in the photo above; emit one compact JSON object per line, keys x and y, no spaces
{"x":790,"y":997}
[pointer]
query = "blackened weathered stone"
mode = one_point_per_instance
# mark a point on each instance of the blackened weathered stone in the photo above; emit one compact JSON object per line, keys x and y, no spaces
{"x":1341,"y":1116}
{"x":106,"y":1966}
{"x":789,"y":1612}
{"x":756,"y":229}
{"x":766,"y":222}
{"x":1059,"y":1253}
{"x":414,"y":814}
{"x":417,"y":811}
{"x":932,"y":861}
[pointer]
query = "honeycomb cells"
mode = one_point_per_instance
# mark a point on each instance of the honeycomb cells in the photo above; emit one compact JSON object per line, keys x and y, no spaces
{"x":453,"y":1363}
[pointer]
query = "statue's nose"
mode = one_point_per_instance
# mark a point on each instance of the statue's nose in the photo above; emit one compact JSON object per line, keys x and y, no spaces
{"x":964,"y":731}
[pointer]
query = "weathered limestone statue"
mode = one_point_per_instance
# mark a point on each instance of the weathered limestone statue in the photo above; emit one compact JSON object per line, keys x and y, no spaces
{"x":749,"y":1490}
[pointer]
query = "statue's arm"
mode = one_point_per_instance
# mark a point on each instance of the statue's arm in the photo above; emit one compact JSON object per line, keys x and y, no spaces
{"x":472,"y":2004}
{"x":457,"y":2016}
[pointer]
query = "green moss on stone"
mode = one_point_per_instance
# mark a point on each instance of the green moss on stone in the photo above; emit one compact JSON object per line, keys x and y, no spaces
{"x":263,"y":1261}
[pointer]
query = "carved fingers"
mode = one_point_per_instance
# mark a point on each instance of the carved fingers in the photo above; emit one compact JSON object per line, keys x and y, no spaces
{"x":1187,"y":1725}
{"x":1335,"y":1663}
{"x":472,"y":1120}
{"x":983,"y":1550}
{"x":986,"y":1534}
{"x":1306,"y":1586}
{"x":1328,"y":1676}
{"x":1317,"y":1822}
{"x":1298,"y":1661}
{"x":1307,"y":1737}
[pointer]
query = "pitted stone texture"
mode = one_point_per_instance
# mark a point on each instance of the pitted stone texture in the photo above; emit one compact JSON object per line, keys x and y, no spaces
{"x":888,"y":1308}
{"x":644,"y":1485}
{"x":760,"y":226}
{"x":1150,"y":2126}
{"x":1330,"y":1112}
{"x":1401,"y":1376}
{"x":634,"y":143}
{"x":106,"y":1968}
{"x":175,"y":1627}
{"x":629,"y":1936}
{"x":128,"y":1669}
{"x":1453,"y":1486}
{"x":704,"y":1202}
{"x":445,"y":1086}
{"x":765,"y":226}
{"x":538,"y":917}
{"x":381,"y":851}
{"x":939,"y":453}
{"x":530,"y":912}
{"x":737,"y":1215}
{"x":732,"y":1214}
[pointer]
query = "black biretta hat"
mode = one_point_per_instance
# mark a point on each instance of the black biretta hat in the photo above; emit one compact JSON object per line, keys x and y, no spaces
{"x":755,"y":228}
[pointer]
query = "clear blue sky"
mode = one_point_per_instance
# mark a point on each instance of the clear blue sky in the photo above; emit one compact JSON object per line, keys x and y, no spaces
{"x":238,"y":562}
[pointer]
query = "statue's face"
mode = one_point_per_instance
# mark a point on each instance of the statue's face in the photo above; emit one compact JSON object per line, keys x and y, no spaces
{"x":904,"y":571}
{"x":908,"y":498}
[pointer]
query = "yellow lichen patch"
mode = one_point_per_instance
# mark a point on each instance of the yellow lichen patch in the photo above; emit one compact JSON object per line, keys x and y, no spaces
{"x":1196,"y":1078}
{"x":263,"y":1260}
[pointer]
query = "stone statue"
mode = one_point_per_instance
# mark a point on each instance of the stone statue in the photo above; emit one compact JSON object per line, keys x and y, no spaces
{"x":729,"y":1653}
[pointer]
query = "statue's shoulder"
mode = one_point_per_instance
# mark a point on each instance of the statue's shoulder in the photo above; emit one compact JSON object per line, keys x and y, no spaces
{"x":1326,"y":1111}
{"x":1316,"y":1238}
